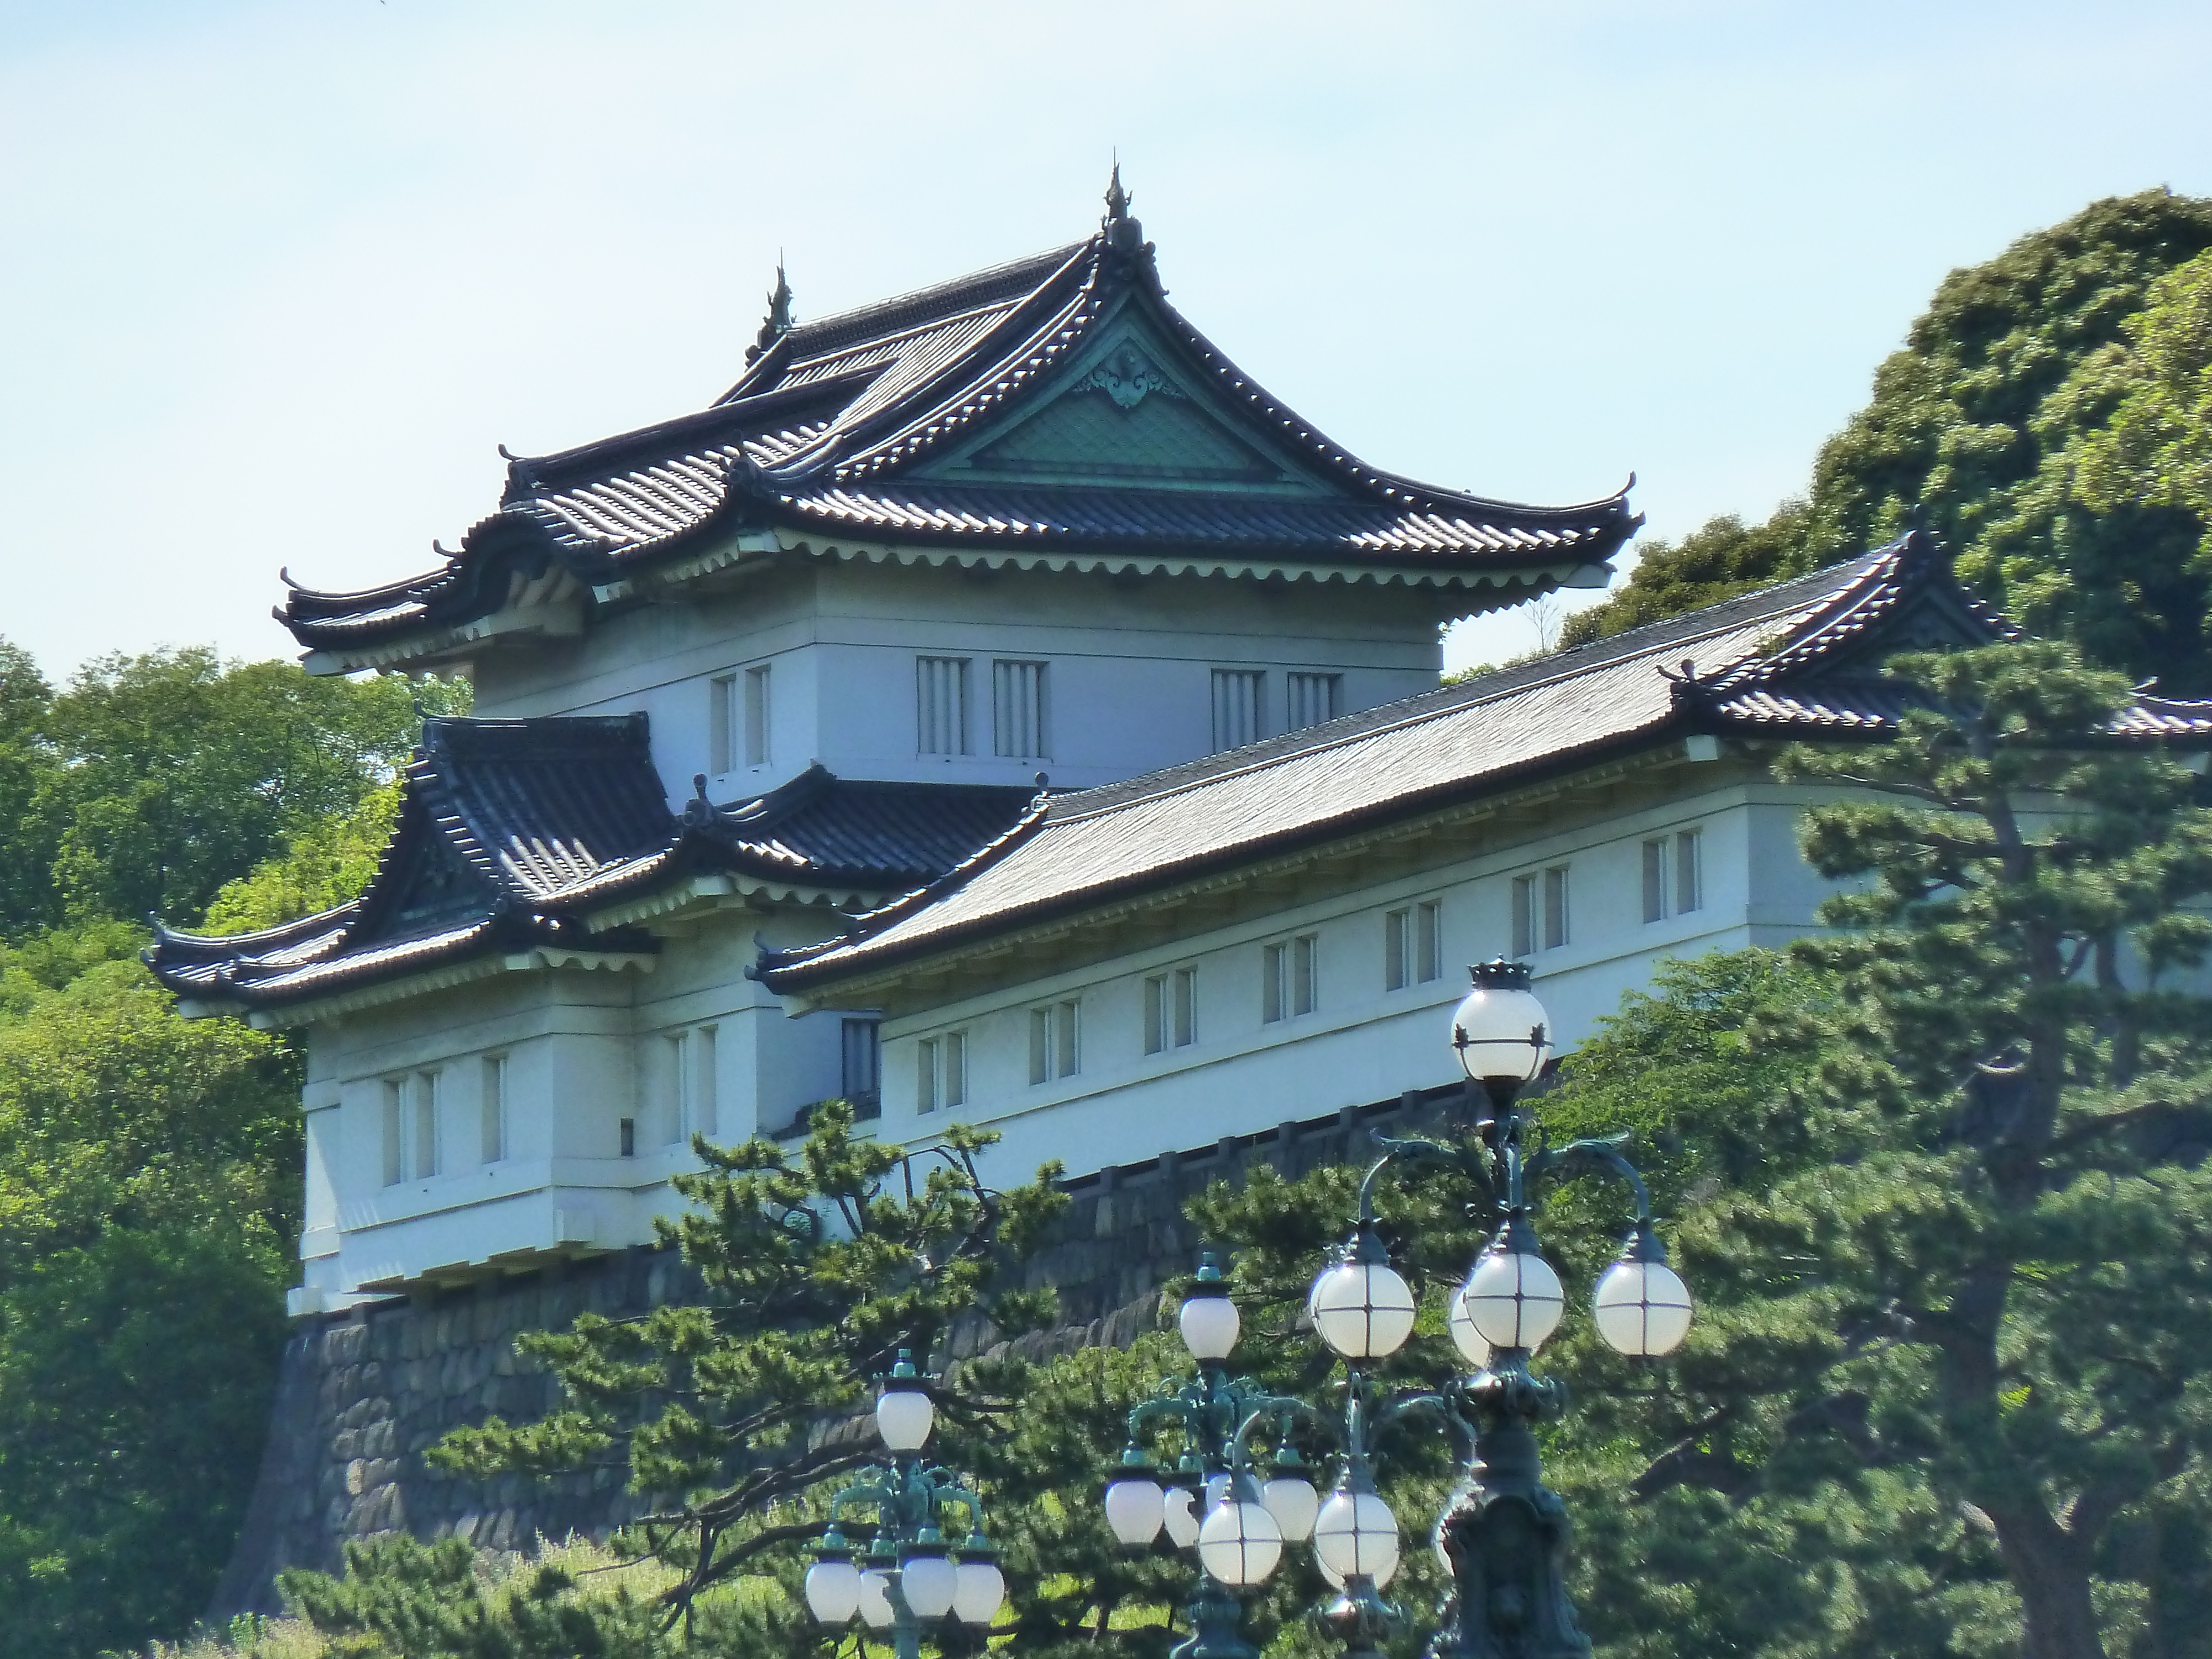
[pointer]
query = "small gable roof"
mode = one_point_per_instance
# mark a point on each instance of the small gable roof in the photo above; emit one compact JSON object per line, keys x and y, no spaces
{"x":522,"y":835}
{"x":1801,"y":659}
{"x":1053,"y":408}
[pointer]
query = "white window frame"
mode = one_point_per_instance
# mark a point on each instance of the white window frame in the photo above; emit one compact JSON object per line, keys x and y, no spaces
{"x":392,"y":1135}
{"x":1171,"y":1010}
{"x":941,"y":1071}
{"x":861,"y":1035}
{"x":1056,"y":1040}
{"x":1290,"y":978}
{"x":1524,"y":914}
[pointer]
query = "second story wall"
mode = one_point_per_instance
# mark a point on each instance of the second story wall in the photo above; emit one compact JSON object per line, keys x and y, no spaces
{"x":936,"y":674}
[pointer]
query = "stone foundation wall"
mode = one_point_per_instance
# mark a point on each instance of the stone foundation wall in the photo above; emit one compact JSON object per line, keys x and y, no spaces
{"x":362,"y":1394}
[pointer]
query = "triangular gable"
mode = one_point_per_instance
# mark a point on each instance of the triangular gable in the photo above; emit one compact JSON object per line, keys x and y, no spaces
{"x":426,"y":882}
{"x":1128,"y":411}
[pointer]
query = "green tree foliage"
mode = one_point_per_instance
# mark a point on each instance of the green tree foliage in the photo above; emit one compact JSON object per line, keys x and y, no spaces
{"x":152,"y":781}
{"x":1979,"y":423}
{"x":818,"y":1272}
{"x":149,"y":1166}
{"x":131,"y":1432}
{"x":149,"y":1198}
{"x":322,"y":864}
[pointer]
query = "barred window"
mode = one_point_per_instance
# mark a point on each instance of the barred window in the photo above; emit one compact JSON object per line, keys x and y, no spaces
{"x":1313,"y":698}
{"x":941,"y":722}
{"x":1239,"y":698}
{"x":1017,"y":710}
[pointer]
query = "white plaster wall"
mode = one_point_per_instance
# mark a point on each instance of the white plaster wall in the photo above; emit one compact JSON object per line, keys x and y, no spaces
{"x":1129,"y":675}
{"x":1362,"y":1043}
{"x":584,"y":1050}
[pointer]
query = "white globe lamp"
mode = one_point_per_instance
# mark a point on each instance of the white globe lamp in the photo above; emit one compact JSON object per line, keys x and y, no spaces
{"x":1513,"y":1298}
{"x":904,"y":1414}
{"x":1500,"y":1030}
{"x":1361,"y":1307}
{"x":1239,"y":1542}
{"x":1642,"y":1306}
{"x":1354,"y":1534}
{"x":1208,"y":1319}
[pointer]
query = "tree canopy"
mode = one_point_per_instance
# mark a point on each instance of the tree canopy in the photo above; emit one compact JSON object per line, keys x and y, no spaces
{"x":1992,"y":424}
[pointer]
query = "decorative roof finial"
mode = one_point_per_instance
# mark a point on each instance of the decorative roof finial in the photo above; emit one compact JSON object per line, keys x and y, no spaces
{"x":779,"y":312}
{"x":1117,"y":199}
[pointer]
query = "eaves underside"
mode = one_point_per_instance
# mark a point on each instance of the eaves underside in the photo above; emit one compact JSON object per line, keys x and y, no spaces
{"x":1499,"y":582}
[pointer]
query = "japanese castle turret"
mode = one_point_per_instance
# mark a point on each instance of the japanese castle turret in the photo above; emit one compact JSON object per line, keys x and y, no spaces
{"x":751,"y":674}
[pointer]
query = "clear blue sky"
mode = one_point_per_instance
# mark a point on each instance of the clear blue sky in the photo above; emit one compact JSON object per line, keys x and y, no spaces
{"x":275,"y":278}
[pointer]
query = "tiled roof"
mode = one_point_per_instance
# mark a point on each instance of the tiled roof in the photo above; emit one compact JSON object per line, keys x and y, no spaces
{"x":515,"y":834}
{"x":1795,"y":659}
{"x":823,"y":437}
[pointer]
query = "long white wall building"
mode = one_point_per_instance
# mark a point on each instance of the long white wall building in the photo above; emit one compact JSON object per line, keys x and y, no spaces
{"x":996,"y":708}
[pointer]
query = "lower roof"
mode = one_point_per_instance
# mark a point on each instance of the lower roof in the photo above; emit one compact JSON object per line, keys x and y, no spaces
{"x":1802,"y":658}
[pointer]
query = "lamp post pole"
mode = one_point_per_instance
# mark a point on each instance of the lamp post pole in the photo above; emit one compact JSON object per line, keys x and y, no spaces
{"x":1504,"y":1533}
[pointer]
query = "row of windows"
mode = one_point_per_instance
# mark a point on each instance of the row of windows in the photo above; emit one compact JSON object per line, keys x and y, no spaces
{"x":740,"y":722}
{"x":1290,"y":969}
{"x":414,"y":1131}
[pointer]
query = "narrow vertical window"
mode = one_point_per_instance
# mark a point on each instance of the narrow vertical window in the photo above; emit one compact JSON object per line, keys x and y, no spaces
{"x":925,"y":1075}
{"x":757,"y":716}
{"x":676,"y":1108}
{"x":1040,"y":1045}
{"x":861,"y":1066}
{"x":1524,"y":915}
{"x":1017,"y":710}
{"x":1555,"y":907}
{"x":953,"y":1060}
{"x":1275,"y":983}
{"x":1397,"y":960}
{"x":721,"y":740}
{"x":492,"y":1125}
{"x":1313,"y":698}
{"x":1429,"y":940}
{"x":425,"y":1125}
{"x":1183,"y":1025}
{"x":1689,"y":871}
{"x":941,"y":723}
{"x":1305,"y":973}
{"x":626,"y":1137}
{"x":706,"y":1101}
{"x":1055,"y":1035}
{"x":1654,"y":880}
{"x":1239,"y":695}
{"x":1156,"y":1013}
{"x":395,"y":1166}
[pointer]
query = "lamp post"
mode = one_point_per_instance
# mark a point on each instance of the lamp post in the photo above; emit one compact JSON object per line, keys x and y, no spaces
{"x":1211,"y":1501}
{"x":1504,"y":1534}
{"x":915,"y":1572}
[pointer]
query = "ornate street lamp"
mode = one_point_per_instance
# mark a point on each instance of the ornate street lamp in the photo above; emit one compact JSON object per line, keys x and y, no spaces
{"x":916,"y":1572}
{"x":1210,"y":1501}
{"x":1504,"y":1535}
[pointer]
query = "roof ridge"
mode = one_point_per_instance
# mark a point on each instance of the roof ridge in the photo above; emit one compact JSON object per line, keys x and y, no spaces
{"x":1046,"y":262}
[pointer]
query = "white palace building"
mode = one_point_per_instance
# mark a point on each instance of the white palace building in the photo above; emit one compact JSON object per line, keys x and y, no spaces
{"x":753,"y":812}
